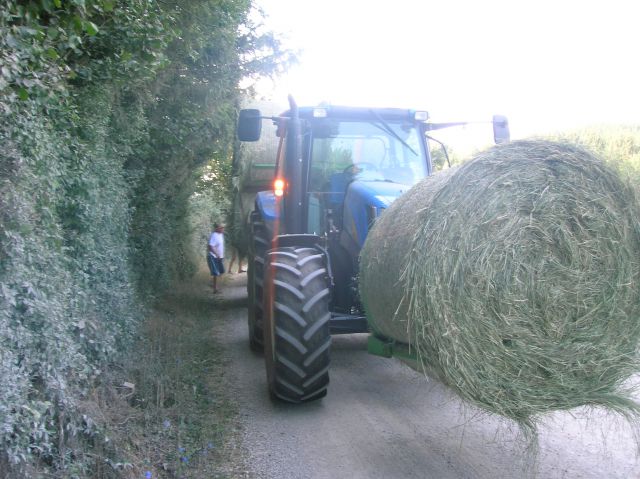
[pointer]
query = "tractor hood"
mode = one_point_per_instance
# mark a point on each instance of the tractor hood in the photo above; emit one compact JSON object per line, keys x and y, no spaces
{"x":364,"y":201}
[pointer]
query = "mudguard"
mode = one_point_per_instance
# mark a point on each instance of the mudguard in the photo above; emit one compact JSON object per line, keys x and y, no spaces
{"x":268,"y":209}
{"x":360,"y":196}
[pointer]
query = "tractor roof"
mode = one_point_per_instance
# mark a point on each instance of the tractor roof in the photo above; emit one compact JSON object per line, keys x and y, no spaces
{"x":358,"y":113}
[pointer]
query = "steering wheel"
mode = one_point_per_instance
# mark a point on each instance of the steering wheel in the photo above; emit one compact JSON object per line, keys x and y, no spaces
{"x":355,"y":168}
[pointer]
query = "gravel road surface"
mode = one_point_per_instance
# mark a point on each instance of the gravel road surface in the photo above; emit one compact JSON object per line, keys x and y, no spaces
{"x":381,"y":419}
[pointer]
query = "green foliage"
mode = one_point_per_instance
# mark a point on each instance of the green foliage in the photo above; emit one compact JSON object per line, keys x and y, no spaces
{"x":618,"y":145}
{"x":439,"y":158}
{"x":108,"y":112}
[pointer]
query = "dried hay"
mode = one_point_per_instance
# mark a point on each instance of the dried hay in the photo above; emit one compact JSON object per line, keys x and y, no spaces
{"x":516,"y":279}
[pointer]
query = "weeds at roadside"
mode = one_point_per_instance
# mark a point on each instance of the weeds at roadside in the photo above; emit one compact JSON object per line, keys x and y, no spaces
{"x":168,"y":409}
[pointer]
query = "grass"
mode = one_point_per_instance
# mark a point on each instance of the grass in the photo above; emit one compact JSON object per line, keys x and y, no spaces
{"x":168,"y":409}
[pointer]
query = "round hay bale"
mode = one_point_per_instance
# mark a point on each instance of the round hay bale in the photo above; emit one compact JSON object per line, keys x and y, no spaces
{"x":516,"y":279}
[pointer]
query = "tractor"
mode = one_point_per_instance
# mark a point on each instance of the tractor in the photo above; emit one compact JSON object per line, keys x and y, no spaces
{"x":336,"y":170}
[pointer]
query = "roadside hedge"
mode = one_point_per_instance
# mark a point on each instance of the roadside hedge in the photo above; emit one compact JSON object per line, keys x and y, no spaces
{"x":109,"y":110}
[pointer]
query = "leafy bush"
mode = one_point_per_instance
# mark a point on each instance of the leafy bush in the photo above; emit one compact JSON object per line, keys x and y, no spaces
{"x":107,"y":112}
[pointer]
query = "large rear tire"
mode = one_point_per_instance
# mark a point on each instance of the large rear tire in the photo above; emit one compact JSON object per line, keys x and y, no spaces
{"x":255,"y":274}
{"x":296,"y":320}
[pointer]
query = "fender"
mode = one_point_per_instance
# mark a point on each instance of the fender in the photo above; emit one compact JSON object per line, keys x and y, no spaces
{"x":268,"y":210}
{"x":306,"y":240}
{"x":360,"y":196}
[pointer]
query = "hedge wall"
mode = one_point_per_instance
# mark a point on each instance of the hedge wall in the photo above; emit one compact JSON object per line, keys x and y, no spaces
{"x":109,"y":109}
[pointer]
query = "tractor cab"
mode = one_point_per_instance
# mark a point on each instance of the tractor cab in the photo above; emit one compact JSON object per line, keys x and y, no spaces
{"x":337,"y":169}
{"x":355,"y":163}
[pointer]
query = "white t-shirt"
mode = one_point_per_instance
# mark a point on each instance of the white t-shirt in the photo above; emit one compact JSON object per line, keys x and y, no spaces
{"x":216,"y":241}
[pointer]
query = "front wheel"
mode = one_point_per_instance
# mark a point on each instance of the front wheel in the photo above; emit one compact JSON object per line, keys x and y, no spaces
{"x":296,"y":319}
{"x":255,"y":274}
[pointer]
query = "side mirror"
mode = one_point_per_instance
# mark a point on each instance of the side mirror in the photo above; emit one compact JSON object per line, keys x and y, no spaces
{"x":501,"y":132}
{"x":249,"y":125}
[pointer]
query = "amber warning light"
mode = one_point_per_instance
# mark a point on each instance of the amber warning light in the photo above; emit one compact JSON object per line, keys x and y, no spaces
{"x":278,"y":187}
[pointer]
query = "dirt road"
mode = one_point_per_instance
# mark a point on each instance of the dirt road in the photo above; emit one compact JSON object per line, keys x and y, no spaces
{"x":381,"y":419}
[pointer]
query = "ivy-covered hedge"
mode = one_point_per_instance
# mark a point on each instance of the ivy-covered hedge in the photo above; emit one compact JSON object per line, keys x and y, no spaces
{"x":108,"y":111}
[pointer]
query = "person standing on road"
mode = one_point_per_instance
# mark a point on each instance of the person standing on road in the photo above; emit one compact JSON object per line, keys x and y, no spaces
{"x":215,"y":255}
{"x":235,"y":254}
{"x":239,"y":243}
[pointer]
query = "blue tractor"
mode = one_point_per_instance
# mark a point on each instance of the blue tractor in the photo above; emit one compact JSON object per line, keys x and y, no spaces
{"x":336,"y":170}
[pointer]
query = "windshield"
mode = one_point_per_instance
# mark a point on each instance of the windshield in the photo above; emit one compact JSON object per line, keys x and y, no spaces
{"x":367,"y":151}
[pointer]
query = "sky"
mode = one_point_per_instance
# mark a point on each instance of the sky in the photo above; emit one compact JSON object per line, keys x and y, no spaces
{"x":547,"y":64}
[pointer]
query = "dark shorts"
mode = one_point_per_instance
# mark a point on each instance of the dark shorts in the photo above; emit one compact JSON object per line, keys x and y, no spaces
{"x":216,"y":265}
